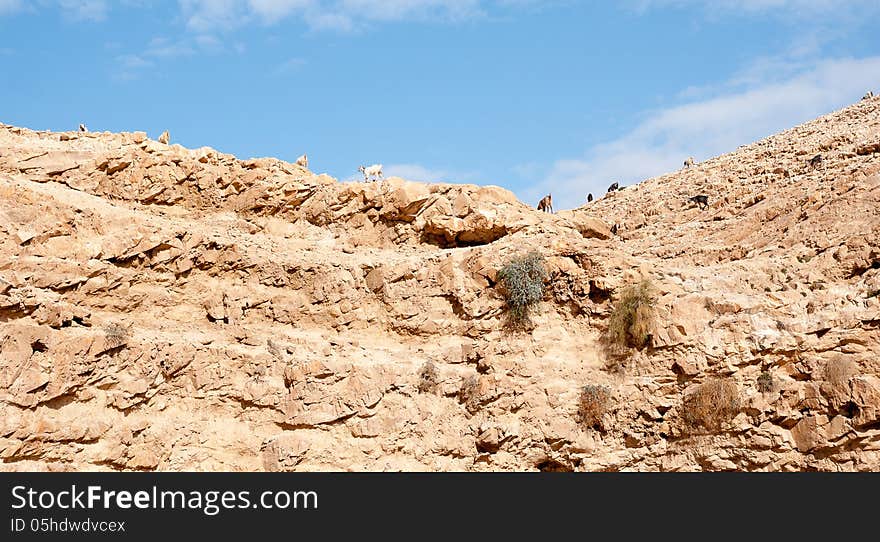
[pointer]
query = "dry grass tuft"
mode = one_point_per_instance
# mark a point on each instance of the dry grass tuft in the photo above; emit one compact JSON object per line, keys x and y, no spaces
{"x":428,"y":378}
{"x":593,"y":403}
{"x":633,"y":317}
{"x":712,"y":404}
{"x":470,"y":393}
{"x":116,"y":335}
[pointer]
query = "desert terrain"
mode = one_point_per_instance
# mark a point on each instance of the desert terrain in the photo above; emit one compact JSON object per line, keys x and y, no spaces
{"x":174,"y":309}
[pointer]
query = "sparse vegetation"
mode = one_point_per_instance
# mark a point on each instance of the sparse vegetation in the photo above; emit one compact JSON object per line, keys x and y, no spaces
{"x":274,"y":350}
{"x":817,"y":285}
{"x":469,"y":393}
{"x":633,"y":317}
{"x":522,"y":279}
{"x":711,"y":404}
{"x":616,"y":361}
{"x":116,"y":335}
{"x":593,"y":403}
{"x":765,"y":382}
{"x":428,"y":378}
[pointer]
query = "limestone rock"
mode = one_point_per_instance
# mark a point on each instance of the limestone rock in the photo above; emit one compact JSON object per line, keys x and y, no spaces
{"x":165,"y":308}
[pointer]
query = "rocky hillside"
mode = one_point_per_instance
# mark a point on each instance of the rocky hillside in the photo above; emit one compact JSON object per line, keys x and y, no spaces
{"x":163,"y":308}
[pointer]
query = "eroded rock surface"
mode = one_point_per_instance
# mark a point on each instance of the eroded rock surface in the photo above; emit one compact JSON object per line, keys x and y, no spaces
{"x":175,"y":309}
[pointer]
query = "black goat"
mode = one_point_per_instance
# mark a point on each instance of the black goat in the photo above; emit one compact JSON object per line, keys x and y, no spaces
{"x":701,"y":200}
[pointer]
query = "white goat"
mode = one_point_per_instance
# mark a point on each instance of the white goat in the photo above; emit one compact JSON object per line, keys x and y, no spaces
{"x":373,"y":171}
{"x":689,"y":162}
{"x":303,"y":161}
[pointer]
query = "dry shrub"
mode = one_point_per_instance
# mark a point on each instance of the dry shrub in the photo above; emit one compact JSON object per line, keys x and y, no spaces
{"x":522,"y":281}
{"x":593,"y":403}
{"x":274,"y":350}
{"x":839,"y":371}
{"x":470,"y":394}
{"x":616,"y":361}
{"x":765,"y":382}
{"x":116,"y":335}
{"x":633,"y":317}
{"x":711,"y":404}
{"x":428,"y":378}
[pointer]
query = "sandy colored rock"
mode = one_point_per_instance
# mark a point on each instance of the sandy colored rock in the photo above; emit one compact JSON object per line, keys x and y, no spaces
{"x":166,"y":308}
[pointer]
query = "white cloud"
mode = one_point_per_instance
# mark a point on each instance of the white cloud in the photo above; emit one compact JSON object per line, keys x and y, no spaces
{"x":212,"y":15}
{"x":161,"y":47}
{"x":129,"y":67}
{"x":133,"y":62}
{"x":330,"y":21}
{"x":208,"y":42}
{"x":707,"y":128}
{"x":208,"y":15}
{"x":757,"y":6}
{"x":289,"y":66}
{"x":75,"y":10}
{"x":9,"y":6}
{"x":274,"y":10}
{"x":395,"y":10}
{"x":416,"y":172}
{"x":84,"y":10}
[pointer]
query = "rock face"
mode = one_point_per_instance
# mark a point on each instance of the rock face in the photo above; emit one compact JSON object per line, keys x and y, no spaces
{"x":163,"y":308}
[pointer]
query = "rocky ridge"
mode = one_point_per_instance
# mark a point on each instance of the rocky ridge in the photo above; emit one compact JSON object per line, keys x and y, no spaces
{"x":163,"y":308}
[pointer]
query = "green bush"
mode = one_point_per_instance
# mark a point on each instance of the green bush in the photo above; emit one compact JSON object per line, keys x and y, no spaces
{"x":632,"y":318}
{"x":522,"y":279}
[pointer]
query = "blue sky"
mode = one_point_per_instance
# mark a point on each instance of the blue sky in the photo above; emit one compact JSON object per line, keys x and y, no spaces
{"x":554,"y":96}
